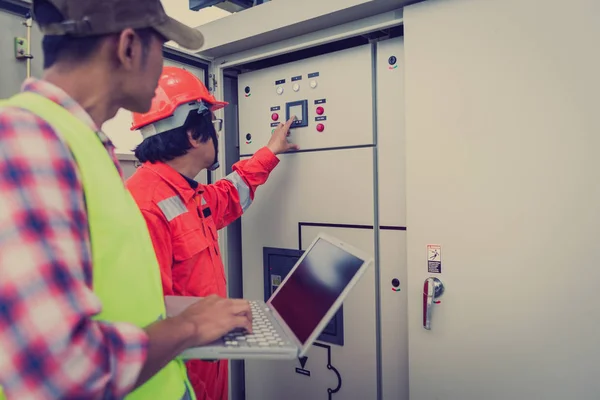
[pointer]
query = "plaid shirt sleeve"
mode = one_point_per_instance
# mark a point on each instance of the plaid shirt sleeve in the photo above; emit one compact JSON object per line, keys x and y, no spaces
{"x":50,"y":347}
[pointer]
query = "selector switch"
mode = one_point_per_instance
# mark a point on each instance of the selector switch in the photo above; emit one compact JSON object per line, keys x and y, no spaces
{"x":320,"y":110}
{"x":279,"y":90}
{"x":320,"y":127}
{"x":296,"y":87}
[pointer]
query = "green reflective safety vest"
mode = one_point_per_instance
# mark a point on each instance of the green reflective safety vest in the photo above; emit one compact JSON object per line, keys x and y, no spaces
{"x":126,"y":274}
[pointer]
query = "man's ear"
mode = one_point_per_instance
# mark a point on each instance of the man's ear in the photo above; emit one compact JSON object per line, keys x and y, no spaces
{"x":194,"y":142}
{"x":128,"y":48}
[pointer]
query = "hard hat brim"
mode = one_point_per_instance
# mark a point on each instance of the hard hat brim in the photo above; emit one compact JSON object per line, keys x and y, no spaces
{"x":217,"y":105}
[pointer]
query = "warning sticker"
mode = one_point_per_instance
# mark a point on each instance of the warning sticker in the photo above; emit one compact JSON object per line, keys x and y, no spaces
{"x":434,"y":258}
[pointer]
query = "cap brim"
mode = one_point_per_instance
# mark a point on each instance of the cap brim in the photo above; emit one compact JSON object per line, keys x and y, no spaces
{"x":188,"y":38}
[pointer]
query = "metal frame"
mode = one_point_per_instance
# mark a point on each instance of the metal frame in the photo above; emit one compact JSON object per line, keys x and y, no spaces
{"x":287,"y":20}
{"x":376,"y":224}
{"x":345,"y":31}
{"x":197,"y":5}
{"x":193,"y":60}
{"x":17,"y":7}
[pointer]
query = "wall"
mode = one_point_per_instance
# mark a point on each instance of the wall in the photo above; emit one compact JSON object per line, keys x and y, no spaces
{"x":14,"y":71}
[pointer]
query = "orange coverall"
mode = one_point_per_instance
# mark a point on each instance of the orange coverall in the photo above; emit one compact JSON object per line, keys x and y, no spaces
{"x":183,"y":222}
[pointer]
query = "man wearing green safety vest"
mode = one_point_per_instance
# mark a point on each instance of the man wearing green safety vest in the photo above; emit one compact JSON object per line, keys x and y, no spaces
{"x":81,"y":306}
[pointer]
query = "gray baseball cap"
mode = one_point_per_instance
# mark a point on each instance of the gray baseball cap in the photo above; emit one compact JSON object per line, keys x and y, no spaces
{"x":101,"y":17}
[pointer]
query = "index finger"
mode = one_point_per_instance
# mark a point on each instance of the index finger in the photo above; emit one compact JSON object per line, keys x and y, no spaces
{"x":290,"y":121}
{"x":241,"y":322}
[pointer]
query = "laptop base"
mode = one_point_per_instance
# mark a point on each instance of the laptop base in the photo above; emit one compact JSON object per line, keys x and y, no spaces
{"x":267,"y":341}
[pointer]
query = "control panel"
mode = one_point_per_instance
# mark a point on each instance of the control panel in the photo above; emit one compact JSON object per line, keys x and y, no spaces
{"x":329,"y":95}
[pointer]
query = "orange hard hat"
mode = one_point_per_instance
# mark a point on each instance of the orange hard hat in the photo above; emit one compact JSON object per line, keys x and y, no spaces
{"x":176,"y":86}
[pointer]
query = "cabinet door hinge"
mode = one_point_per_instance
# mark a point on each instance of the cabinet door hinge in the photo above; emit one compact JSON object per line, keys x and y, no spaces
{"x":212,"y":82}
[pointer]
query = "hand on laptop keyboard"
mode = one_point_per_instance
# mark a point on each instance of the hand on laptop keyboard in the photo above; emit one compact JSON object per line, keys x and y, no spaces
{"x":264,"y":334}
{"x":213,"y":316}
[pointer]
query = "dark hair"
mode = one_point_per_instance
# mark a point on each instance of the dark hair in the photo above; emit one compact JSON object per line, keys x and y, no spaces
{"x":71,"y":48}
{"x":175,"y":143}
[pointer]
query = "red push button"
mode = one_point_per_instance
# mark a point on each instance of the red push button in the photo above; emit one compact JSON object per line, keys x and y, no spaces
{"x":320,"y":110}
{"x":275,"y":116}
{"x":320,"y":127}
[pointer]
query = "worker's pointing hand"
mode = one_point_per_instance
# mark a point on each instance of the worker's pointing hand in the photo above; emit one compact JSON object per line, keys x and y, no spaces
{"x":213,"y":316}
{"x":278,"y":143}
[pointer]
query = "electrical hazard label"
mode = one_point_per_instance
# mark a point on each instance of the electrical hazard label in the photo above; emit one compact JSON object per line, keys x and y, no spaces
{"x":434,"y":258}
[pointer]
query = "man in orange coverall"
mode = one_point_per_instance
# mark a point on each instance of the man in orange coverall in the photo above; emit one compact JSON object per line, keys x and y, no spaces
{"x":180,"y":140}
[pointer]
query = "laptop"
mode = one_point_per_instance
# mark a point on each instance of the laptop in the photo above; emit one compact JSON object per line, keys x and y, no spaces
{"x":295,"y":315}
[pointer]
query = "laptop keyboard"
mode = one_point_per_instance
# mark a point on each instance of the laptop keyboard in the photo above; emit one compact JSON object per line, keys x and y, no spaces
{"x":264,"y":334}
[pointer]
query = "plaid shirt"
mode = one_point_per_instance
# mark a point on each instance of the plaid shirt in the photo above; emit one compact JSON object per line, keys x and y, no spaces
{"x":50,"y":347}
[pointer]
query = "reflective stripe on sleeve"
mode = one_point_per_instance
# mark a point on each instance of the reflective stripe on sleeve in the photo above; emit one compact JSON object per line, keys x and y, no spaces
{"x":242,"y":188}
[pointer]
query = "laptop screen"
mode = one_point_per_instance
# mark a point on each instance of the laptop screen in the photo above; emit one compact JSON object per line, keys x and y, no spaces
{"x":312,"y":288}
